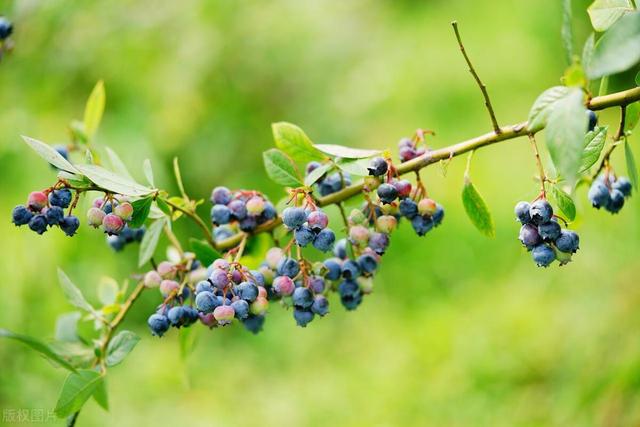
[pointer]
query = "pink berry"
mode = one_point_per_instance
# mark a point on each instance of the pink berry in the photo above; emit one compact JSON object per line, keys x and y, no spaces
{"x":219,"y":278}
{"x":273,"y":257}
{"x":98,"y":203}
{"x":124,"y":210}
{"x":255,"y":205}
{"x":208,"y":319}
{"x":166,"y":269}
{"x":403,"y":186}
{"x":37,"y":200}
{"x":317,"y":220}
{"x":262,"y":292}
{"x":168,"y":286}
{"x":95,"y":216}
{"x":152,"y":279}
{"x":221,"y":264}
{"x":359,"y":234}
{"x":427,"y":207}
{"x":224,"y":314}
{"x":386,"y":223}
{"x":259,"y":306}
{"x":112,"y":224}
{"x":283,"y":285}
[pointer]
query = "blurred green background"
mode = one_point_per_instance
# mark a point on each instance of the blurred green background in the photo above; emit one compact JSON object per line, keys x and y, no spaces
{"x":460,"y":331}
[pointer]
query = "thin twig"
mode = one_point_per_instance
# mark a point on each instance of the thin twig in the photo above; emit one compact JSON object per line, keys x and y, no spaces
{"x":541,"y":174}
{"x":174,"y":240}
{"x":199,"y":222}
{"x":344,"y":216}
{"x":483,"y":88}
{"x":617,"y":137}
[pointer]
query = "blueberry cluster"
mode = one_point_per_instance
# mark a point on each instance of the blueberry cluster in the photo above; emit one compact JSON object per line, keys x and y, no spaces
{"x":309,"y":227}
{"x":543,"y":236}
{"x":111,"y":214}
{"x":6,"y":28}
{"x":127,"y":236}
{"x":609,"y":192}
{"x":46,"y":209}
{"x":248,"y":208}
{"x":331,"y":183}
{"x":408,"y":149}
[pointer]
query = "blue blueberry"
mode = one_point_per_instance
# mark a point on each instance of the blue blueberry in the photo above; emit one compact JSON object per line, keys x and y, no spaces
{"x":302,"y":298}
{"x":6,"y":28}
{"x":598,"y":194}
{"x":238,"y":209}
{"x":222,"y":233}
{"x":616,"y":202}
{"x":367,"y":263}
{"x":206,"y":301}
{"x":304,"y":235}
{"x":21,"y":215}
{"x":220,"y":214}
{"x":288,"y":267}
{"x":350,"y":269}
{"x":249,"y":223}
{"x":61,"y":198}
{"x":158,"y":323}
{"x":54,"y":214}
{"x":593,"y":120}
{"x":568,"y":242}
{"x":294,"y":217}
{"x":303,"y":317}
{"x":540,"y":212}
{"x":190,"y":315}
{"x":204,"y":286}
{"x":259,"y":277}
{"x":529,"y":236}
{"x":377,"y":166}
{"x":247,"y":291}
{"x":116,"y":242}
{"x":38,"y":223}
{"x":623,"y":185}
{"x":241,"y":308}
{"x":62,"y":150}
{"x":176,"y":316}
{"x":69,"y":225}
{"x":324,"y":240}
{"x":438,"y":215}
{"x":221,"y":196}
{"x":311,"y":166}
{"x":334,"y":269}
{"x":387,"y":193}
{"x":350,"y":295}
{"x":269,"y":212}
{"x":340,"y":249}
{"x":320,"y":305}
{"x":408,"y":208}
{"x":543,"y":255}
{"x":253,"y":323}
{"x":549,"y":231}
{"x":316,"y":284}
{"x":379,"y":242}
{"x":522,"y":212}
{"x":421,"y":224}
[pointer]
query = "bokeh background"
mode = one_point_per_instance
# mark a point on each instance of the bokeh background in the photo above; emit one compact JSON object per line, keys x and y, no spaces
{"x":460,"y":331}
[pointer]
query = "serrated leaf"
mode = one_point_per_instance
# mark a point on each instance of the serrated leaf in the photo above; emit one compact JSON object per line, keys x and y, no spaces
{"x":113,"y":182}
{"x":117,"y":164}
{"x":295,"y":143}
{"x":346,"y":152}
{"x":632,"y":169}
{"x":48,"y":153}
{"x":564,"y":134}
{"x":150,"y":241}
{"x":120,"y":346}
{"x":38,"y":346}
{"x":72,"y":293}
{"x":203,"y":251}
{"x":67,"y":326}
{"x":107,"y":291}
{"x":567,"y":30}
{"x":593,"y":144}
{"x":281,"y":169}
{"x":100,"y":395}
{"x":148,"y":172}
{"x":632,"y":116}
{"x":477,"y":210}
{"x":354,"y":166}
{"x":94,"y":109}
{"x":587,"y":50}
{"x":543,"y":105}
{"x":76,"y":390}
{"x":604,"y":13}
{"x":618,"y":49}
{"x":317,"y":173}
{"x":188,"y":340}
{"x":141,"y":210}
{"x":564,"y":202}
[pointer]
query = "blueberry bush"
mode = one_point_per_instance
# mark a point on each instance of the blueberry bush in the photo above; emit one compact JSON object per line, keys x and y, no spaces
{"x":254,"y":253}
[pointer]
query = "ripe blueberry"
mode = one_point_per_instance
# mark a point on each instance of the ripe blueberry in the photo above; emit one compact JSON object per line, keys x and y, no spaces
{"x":288,"y":267}
{"x":549,"y":231}
{"x":69,"y":224}
{"x":522,"y":212}
{"x":21,"y":215}
{"x":324,"y":240}
{"x":334,"y":269}
{"x":320,"y":305}
{"x":221,"y":196}
{"x":54,"y":214}
{"x":304,"y":235}
{"x":377,"y":166}
{"x":593,"y":120}
{"x":422,"y":224}
{"x":238,"y":209}
{"x":176,"y":316}
{"x":350,"y":269}
{"x":543,"y":255}
{"x":568,"y":241}
{"x":529,"y":236}
{"x":408,"y":208}
{"x":206,"y":301}
{"x":241,"y":309}
{"x":387,"y":193}
{"x":61,"y":198}
{"x":623,"y":185}
{"x":379,"y":242}
{"x":316,"y":284}
{"x":303,"y":317}
{"x":220,"y":214}
{"x":367,"y":263}
{"x":294,"y":217}
{"x":38,"y":223}
{"x":540,"y":211}
{"x":158,"y":323}
{"x":340,"y":249}
{"x":253,"y":323}
{"x":616,"y":202}
{"x":302,"y":298}
{"x":6,"y":28}
{"x":247,"y":291}
{"x":599,"y":194}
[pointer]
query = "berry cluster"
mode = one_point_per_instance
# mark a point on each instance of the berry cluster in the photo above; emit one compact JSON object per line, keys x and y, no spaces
{"x":609,"y":192}
{"x":111,"y":214}
{"x":246,"y":208}
{"x":309,"y":226}
{"x":127,"y":236}
{"x":46,"y":209}
{"x":543,"y":236}
{"x":332,"y":183}
{"x":408,"y":149}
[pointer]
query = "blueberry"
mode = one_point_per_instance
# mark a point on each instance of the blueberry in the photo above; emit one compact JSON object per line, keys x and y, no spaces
{"x":255,"y":206}
{"x":379,"y":242}
{"x":128,"y":234}
{"x":219,"y":278}
{"x":311,"y":166}
{"x":302,"y":298}
{"x":549,"y":231}
{"x":540,"y":211}
{"x":350,"y":295}
{"x":403,"y":187}
{"x":598,"y":194}
{"x":317,"y":220}
{"x":241,"y":309}
{"x":248,"y":223}
{"x":367,"y":263}
{"x":324,"y":240}
{"x":222,"y":233}
{"x":224,"y":314}
{"x":62,"y":150}
{"x":386,"y":223}
{"x":294,"y":217}
{"x":258,"y":278}
{"x":427,"y":207}
{"x":247,"y":291}
{"x":303,"y":317}
{"x":259,"y":306}
{"x":37,"y":200}
{"x":529,"y":236}
{"x":112,"y":224}
{"x":253,"y":323}
{"x":623,"y":185}
{"x":190,"y":315}
{"x":238,"y":209}
{"x":387,"y":193}
{"x":350,"y":269}
{"x":95,"y":216}
{"x":522,"y":212}
{"x":438,"y":215}
{"x":21,"y":215}
{"x":543,"y":255}
{"x":616,"y":202}
{"x":316,"y":284}
{"x":320,"y":305}
{"x":408,"y":208}
{"x":221,"y":196}
{"x":593,"y":120}
{"x":203,"y":286}
{"x":269,"y":212}
{"x":340,"y":249}
{"x":61,"y":197}
{"x":283,"y":285}
{"x":568,"y":241}
{"x":124,"y":210}
{"x":116,"y":243}
{"x":176,"y":316}
{"x":139,"y":233}
{"x":377,"y":166}
{"x":304,"y":235}
{"x":220,"y":214}
{"x":288,"y":267}
{"x":421,"y":224}
{"x":206,"y":301}
{"x":38,"y":223}
{"x":158,"y":323}
{"x":334,"y":269}
{"x":6,"y":28}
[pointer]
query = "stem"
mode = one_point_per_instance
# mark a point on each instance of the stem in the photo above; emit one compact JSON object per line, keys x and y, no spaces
{"x":541,"y":173}
{"x":199,"y":222}
{"x":344,"y":217}
{"x":467,"y":171}
{"x":619,"y":134}
{"x":71,"y":421}
{"x":243,"y":244}
{"x":483,"y":88}
{"x":174,"y":240}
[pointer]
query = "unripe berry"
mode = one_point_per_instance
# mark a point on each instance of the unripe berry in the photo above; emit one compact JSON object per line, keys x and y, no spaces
{"x":166,"y":270}
{"x":262,"y":292}
{"x":152,"y":279}
{"x":95,"y":216}
{"x":386,"y":223}
{"x":365,"y":284}
{"x":112,"y":224}
{"x":427,"y":207}
{"x":273,"y":257}
{"x":259,"y":306}
{"x":317,"y":220}
{"x":403,"y":187}
{"x":359,"y":235}
{"x":294,"y":217}
{"x":208,"y":319}
{"x":283,"y":285}
{"x":357,"y":217}
{"x":21,"y":215}
{"x":124,"y":210}
{"x":168,"y":286}
{"x":69,"y":224}
{"x":224,"y":314}
{"x":159,"y":324}
{"x":61,"y":198}
{"x":255,"y":205}
{"x":37,"y":200}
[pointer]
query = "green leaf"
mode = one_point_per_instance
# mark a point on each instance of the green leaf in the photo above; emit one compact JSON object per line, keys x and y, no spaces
{"x":281,"y":168}
{"x":346,"y":152}
{"x":100,"y":395}
{"x":108,"y":291}
{"x":67,"y":326}
{"x":72,"y":293}
{"x":188,"y":340}
{"x":567,"y":30}
{"x":178,"y":175}
{"x":113,"y":182}
{"x":604,"y":86}
{"x":632,"y":116}
{"x":618,"y":49}
{"x":477,"y":209}
{"x":317,"y":173}
{"x":564,"y":202}
{"x":295,"y":143}
{"x":566,"y":127}
{"x":604,"y":13}
{"x":94,"y":109}
{"x":150,"y":241}
{"x":574,"y":76}
{"x":48,"y":153}
{"x":204,"y":252}
{"x":163,"y":206}
{"x":148,"y":172}
{"x":632,"y":169}
{"x":38,"y":346}
{"x":593,"y":144}
{"x":120,"y":346}
{"x":117,"y":164}
{"x":587,"y":50}
{"x":543,"y":105}
{"x":141,"y":209}
{"x":354,"y":166}
{"x":638,"y":79}
{"x":76,"y":390}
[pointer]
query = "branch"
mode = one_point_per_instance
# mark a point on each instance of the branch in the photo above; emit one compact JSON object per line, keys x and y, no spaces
{"x":483,"y":88}
{"x":619,"y":134}
{"x":506,"y":133}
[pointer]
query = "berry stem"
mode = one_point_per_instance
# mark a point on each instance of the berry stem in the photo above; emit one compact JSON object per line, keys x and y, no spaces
{"x":344,"y":217}
{"x":541,"y":174}
{"x":195,"y":218}
{"x":174,"y":240}
{"x":617,"y":137}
